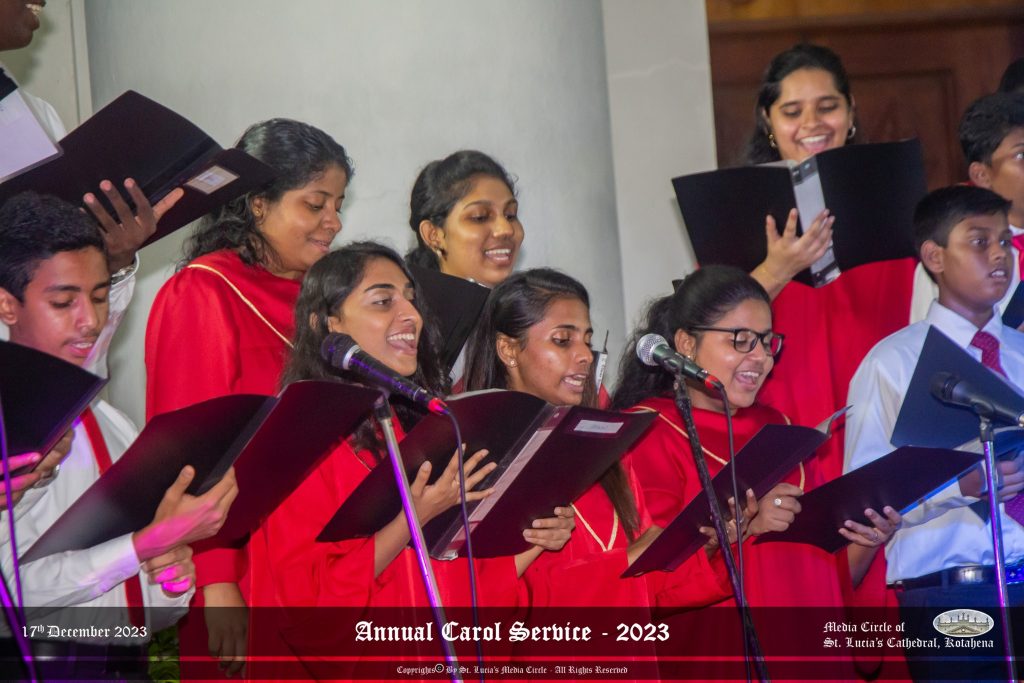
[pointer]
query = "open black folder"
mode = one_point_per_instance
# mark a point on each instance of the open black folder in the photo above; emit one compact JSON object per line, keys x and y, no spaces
{"x":871,"y":189}
{"x":135,"y":137}
{"x":761,"y":464}
{"x":924,"y":420}
{"x":455,"y":304}
{"x":276,"y":440}
{"x":42,"y":396}
{"x":900,"y":479}
{"x":547,"y":456}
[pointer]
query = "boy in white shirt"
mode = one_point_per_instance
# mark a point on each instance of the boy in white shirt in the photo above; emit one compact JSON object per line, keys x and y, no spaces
{"x":54,"y":286}
{"x":942,"y":556}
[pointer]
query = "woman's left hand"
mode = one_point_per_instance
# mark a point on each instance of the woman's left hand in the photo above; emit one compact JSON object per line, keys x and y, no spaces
{"x":879,"y":534}
{"x":552,"y":533}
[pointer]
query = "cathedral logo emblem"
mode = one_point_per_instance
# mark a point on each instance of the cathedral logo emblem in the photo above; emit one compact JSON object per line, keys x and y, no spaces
{"x":963,"y":623}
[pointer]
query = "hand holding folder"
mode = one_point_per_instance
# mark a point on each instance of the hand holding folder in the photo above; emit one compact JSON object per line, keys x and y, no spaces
{"x":926,"y":432}
{"x":871,"y":189}
{"x":546,"y":457}
{"x":276,"y":442}
{"x":761,"y":464}
{"x":134,"y":137}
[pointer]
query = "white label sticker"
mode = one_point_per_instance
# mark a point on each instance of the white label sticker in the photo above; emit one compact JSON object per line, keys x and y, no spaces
{"x":598,"y":427}
{"x":212,"y":179}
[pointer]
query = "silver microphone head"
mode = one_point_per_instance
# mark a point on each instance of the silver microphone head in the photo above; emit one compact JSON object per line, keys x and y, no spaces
{"x":645,"y":348}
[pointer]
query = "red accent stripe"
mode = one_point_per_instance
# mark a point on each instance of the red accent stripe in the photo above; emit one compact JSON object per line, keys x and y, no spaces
{"x":132,"y":587}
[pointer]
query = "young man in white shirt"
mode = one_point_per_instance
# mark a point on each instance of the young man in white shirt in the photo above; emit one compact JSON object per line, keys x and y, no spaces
{"x":963,"y":240}
{"x":54,"y":286}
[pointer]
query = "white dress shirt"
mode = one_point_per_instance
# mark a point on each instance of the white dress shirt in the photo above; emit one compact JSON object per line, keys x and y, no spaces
{"x":941,"y":532}
{"x":88,"y":579}
{"x":925,"y":291}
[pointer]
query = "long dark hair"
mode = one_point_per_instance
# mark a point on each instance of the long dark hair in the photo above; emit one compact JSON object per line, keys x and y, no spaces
{"x":439,"y":187}
{"x":701,"y":300}
{"x":324,"y":289}
{"x":514,"y":306}
{"x":801,"y":56}
{"x":299,"y":153}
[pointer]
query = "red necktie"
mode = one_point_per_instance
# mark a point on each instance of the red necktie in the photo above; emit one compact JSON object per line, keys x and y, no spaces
{"x":989,"y":346}
{"x":1018,"y":244}
{"x":132,"y":587}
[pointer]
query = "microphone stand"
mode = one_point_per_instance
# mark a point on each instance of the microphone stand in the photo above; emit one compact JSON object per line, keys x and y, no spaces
{"x":988,"y":446}
{"x":382,"y":411}
{"x":682,"y":399}
{"x":15,"y":617}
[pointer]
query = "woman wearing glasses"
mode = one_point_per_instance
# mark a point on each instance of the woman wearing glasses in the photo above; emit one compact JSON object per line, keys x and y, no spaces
{"x":721,"y":318}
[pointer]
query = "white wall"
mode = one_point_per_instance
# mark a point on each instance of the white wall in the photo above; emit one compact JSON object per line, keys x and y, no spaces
{"x":659,"y":84}
{"x":399,"y":84}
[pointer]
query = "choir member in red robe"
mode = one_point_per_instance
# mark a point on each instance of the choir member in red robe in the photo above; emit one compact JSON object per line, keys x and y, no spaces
{"x":223,"y":323}
{"x":534,"y":337}
{"x":364,"y":290}
{"x":721,"y":318}
{"x":804,"y":107}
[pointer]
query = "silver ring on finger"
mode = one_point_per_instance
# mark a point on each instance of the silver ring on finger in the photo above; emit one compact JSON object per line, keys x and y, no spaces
{"x":777,"y":502}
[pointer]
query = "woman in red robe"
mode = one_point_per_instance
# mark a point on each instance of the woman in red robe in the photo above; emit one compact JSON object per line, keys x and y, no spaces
{"x":721,"y":318}
{"x":365,"y":291}
{"x":223,"y":323}
{"x":534,"y":337}
{"x":804,"y":107}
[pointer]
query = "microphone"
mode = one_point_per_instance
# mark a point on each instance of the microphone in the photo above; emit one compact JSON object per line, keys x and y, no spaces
{"x":341,"y":351}
{"x":653,"y":350}
{"x":949,"y":388}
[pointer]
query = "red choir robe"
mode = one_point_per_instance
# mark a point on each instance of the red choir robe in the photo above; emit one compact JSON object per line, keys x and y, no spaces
{"x":775,"y":574}
{"x":290,"y":571}
{"x":828,"y":332}
{"x":585,"y":573}
{"x":217,"y":327}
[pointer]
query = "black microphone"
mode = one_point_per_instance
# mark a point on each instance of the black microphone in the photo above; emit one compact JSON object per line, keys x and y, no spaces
{"x":949,"y":388}
{"x":653,"y":350}
{"x":341,"y":351}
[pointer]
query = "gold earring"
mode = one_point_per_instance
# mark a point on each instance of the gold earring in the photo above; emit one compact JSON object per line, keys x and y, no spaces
{"x":771,"y":141}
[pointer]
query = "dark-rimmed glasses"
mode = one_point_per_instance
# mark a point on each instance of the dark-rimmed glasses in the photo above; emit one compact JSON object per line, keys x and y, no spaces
{"x":744,"y":339}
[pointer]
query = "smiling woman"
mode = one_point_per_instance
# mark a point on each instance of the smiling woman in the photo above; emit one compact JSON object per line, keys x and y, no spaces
{"x":465,"y":215}
{"x":233,"y":303}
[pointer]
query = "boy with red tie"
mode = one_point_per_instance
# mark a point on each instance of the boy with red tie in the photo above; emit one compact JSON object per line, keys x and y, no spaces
{"x":964,"y":242}
{"x":54,"y":288}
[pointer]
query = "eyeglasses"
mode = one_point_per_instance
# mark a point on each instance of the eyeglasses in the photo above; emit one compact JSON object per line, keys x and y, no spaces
{"x":744,"y":340}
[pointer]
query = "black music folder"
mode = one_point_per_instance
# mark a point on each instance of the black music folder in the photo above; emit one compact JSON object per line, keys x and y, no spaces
{"x":761,"y":464}
{"x":455,"y":305}
{"x":901,"y":479}
{"x":547,"y":456}
{"x":924,"y":420}
{"x":42,"y":395}
{"x":276,"y":441}
{"x":135,"y":137}
{"x":871,"y":189}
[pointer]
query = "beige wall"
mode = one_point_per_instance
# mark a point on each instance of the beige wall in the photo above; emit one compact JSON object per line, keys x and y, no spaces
{"x":659,"y":85}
